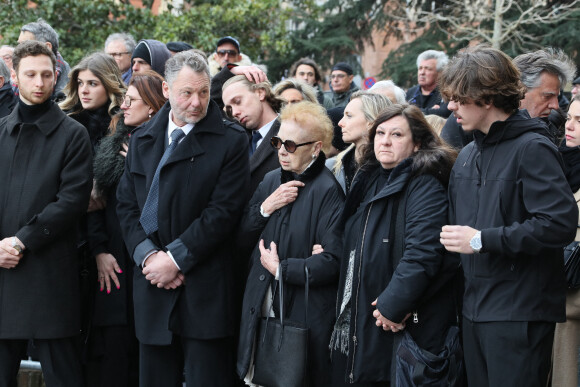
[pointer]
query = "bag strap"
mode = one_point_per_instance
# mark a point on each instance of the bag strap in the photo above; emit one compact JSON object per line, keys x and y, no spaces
{"x":306,"y":288}
{"x":306,"y":291}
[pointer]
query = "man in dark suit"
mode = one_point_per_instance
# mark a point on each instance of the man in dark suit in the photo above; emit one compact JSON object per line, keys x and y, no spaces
{"x":255,"y":107}
{"x":183,"y":191}
{"x":46,"y":179}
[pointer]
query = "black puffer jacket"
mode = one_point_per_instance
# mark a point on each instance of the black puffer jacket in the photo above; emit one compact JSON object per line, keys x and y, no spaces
{"x":509,"y":184}
{"x":295,"y":228}
{"x":402,"y":290}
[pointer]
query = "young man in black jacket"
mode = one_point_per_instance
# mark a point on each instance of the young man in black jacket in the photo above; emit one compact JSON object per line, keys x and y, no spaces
{"x":511,"y":212}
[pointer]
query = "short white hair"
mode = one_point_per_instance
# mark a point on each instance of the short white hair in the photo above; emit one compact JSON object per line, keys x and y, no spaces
{"x":400,"y":95}
{"x":441,"y":57}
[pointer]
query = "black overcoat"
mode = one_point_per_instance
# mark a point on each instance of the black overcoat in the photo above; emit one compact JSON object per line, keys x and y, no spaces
{"x":403,"y":288}
{"x":295,"y":228}
{"x":46,"y":174}
{"x":202,"y":192}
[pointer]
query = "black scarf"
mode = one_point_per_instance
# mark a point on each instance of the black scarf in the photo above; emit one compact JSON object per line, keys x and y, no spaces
{"x":309,"y":174}
{"x":571,"y":158}
{"x":108,"y":165}
{"x":96,"y":121}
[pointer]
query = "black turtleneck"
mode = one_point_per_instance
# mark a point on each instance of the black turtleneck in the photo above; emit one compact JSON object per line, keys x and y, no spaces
{"x":30,"y":113}
{"x":571,"y":156}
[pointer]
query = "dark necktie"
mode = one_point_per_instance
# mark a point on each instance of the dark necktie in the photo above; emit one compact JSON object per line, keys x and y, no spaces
{"x":149,"y":214}
{"x":256,"y":136}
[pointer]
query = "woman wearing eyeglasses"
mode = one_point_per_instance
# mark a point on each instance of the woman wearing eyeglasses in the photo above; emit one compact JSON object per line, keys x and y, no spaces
{"x":358,"y":118}
{"x":294,"y":208}
{"x":112,"y":345}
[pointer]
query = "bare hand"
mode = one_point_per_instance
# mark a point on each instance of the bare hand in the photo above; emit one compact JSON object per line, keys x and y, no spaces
{"x":269,"y":257}
{"x":253,"y":73}
{"x":125,"y":149}
{"x":435,"y":107}
{"x":160,"y":270}
{"x":387,"y":324}
{"x":9,"y":256}
{"x":96,"y":202}
{"x":107,"y":268}
{"x":457,"y":238}
{"x":317,"y":249}
{"x":286,"y":193}
{"x":177,"y":282}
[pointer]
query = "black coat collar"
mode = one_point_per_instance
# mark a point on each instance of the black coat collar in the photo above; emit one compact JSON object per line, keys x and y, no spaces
{"x":47,"y":123}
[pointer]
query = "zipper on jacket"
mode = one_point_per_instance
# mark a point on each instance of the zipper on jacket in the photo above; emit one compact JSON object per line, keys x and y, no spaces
{"x":354,"y":296}
{"x":416,"y":317}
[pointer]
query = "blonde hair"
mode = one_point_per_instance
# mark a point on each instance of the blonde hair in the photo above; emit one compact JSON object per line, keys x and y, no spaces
{"x":103,"y":67}
{"x":307,"y":91}
{"x":436,"y":122}
{"x":312,"y":118}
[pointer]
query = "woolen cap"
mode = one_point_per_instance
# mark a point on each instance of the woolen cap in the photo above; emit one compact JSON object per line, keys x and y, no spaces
{"x":343,"y":66}
{"x":142,"y":51}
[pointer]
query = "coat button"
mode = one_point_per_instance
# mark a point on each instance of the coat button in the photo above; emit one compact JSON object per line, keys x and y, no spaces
{"x":252,"y":310}
{"x":46,"y":231}
{"x":262,"y":277}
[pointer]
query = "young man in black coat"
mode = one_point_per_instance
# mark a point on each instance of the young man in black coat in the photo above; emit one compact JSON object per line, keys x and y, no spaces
{"x":181,"y":196}
{"x":46,"y":179}
{"x":511,"y":212}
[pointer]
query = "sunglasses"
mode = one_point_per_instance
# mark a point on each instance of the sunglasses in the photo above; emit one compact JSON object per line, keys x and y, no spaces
{"x":289,"y":145}
{"x":229,"y":52}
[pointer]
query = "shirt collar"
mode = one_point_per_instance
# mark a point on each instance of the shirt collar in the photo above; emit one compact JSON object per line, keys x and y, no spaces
{"x":171,"y":126}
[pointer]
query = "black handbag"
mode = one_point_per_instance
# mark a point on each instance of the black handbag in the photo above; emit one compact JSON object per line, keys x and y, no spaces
{"x":416,"y":366}
{"x":281,"y":355}
{"x":572,"y":265}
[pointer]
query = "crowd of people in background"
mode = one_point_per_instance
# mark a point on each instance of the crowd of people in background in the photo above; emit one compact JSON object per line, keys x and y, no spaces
{"x":155,"y":199}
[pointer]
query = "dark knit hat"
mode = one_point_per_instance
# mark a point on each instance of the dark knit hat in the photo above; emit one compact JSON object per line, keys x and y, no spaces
{"x":142,"y":51}
{"x":343,"y":66}
{"x":336,"y":115}
{"x":229,"y":39}
{"x":178,"y":46}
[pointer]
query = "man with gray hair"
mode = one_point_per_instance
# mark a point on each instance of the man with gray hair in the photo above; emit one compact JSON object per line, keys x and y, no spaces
{"x":388,"y":88}
{"x":544,"y":73}
{"x":120,"y":46}
{"x":40,"y":30}
{"x":183,"y":191}
{"x":426,"y":94}
{"x":7,"y":97}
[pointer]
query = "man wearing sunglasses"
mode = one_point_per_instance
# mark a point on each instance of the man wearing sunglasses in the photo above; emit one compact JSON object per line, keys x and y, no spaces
{"x":227,"y":51}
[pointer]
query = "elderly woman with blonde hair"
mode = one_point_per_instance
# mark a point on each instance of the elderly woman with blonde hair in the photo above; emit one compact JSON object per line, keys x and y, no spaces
{"x":294,"y":208}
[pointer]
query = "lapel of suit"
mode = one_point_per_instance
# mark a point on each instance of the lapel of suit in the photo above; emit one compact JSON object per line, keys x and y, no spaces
{"x":265,"y":150}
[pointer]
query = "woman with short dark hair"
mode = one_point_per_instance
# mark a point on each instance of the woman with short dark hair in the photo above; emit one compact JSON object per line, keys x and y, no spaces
{"x":391,"y":254}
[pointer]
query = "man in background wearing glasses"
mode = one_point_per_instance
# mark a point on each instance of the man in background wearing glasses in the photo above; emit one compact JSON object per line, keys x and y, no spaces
{"x":120,"y":46}
{"x":341,"y":84}
{"x":227,"y":51}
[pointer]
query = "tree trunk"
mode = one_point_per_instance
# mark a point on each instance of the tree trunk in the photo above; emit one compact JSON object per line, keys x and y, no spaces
{"x":497,"y":24}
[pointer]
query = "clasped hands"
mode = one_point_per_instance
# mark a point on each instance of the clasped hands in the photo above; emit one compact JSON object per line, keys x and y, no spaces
{"x":9,"y":256}
{"x":161,"y":271}
{"x":387,"y":324}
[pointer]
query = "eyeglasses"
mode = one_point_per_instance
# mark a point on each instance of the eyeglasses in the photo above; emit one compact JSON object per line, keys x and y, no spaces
{"x":118,"y":54}
{"x":337,"y":76}
{"x":289,"y":145}
{"x":229,"y":52}
{"x":128,"y":100}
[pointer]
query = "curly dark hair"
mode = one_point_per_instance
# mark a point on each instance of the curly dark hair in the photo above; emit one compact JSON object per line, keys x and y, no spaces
{"x":482,"y":75}
{"x":434,"y":156}
{"x":308,"y":62}
{"x":31,"y":48}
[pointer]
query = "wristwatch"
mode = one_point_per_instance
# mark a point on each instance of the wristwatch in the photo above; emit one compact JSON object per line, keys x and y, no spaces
{"x":475,"y":242}
{"x":16,"y":246}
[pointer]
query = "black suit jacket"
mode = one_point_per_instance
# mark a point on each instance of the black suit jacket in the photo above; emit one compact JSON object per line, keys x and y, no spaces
{"x":264,"y":159}
{"x":202,"y":192}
